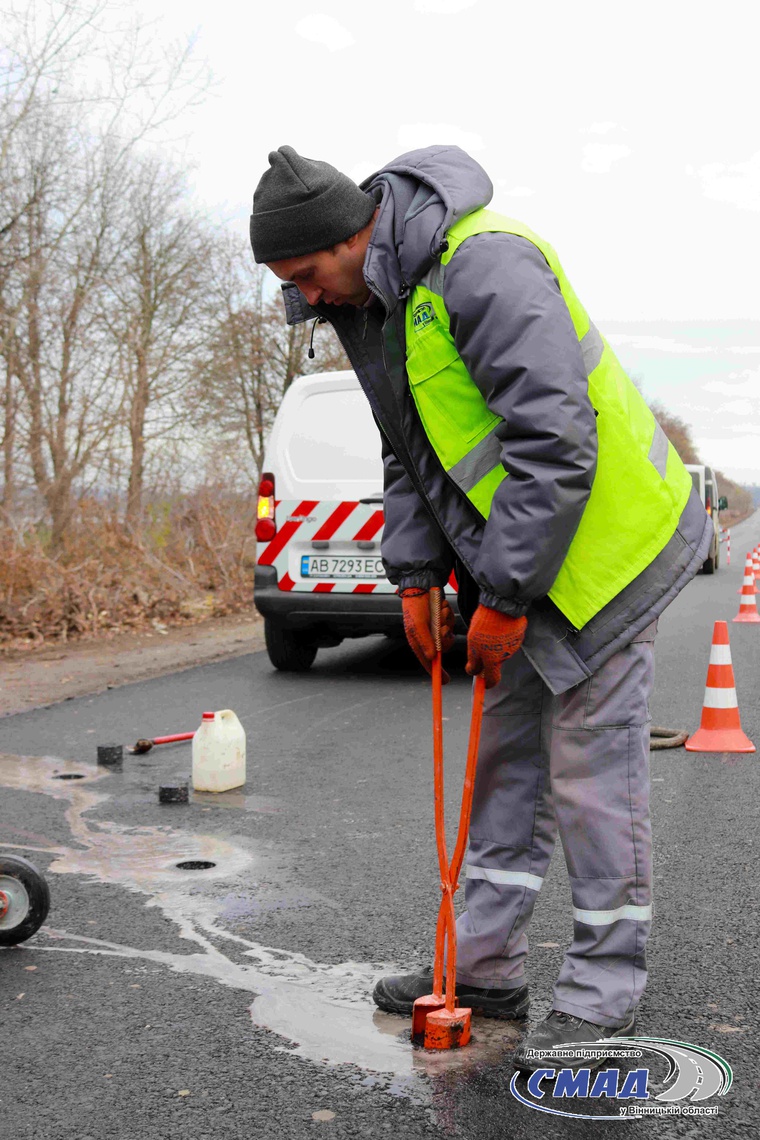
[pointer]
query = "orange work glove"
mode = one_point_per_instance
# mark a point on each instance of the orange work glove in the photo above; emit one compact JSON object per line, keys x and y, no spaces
{"x":493,"y":637}
{"x":415,"y":603}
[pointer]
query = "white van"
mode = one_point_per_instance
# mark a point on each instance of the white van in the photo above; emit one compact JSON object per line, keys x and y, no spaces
{"x":706,"y":486}
{"x":319,"y":577}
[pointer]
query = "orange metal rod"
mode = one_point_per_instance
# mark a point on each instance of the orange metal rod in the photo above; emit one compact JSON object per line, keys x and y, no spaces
{"x":445,"y":935}
{"x":440,"y":949}
{"x":476,"y":721}
{"x":447,"y":905}
{"x":464,"y":827}
{"x":440,"y":829}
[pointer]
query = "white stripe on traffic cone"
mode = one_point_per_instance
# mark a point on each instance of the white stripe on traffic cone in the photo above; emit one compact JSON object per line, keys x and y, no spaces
{"x":748,"y":581}
{"x":747,"y":604}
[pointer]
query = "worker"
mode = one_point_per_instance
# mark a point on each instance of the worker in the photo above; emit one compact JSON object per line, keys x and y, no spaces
{"x":518,"y":454}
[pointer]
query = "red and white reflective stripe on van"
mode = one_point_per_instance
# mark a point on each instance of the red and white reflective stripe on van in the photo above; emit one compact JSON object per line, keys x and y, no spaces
{"x":303,"y":522}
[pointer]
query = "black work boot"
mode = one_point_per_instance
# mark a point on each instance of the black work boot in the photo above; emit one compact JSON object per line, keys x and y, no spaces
{"x":559,"y":1029}
{"x":397,"y":995}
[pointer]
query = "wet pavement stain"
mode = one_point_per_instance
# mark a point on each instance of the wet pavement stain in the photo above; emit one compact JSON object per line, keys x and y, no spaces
{"x":129,"y":856}
{"x":322,"y":1012}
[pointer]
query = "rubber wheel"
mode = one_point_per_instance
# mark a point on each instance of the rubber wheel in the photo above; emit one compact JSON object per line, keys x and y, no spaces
{"x":708,"y":566}
{"x":290,"y":650}
{"x":27,"y":900}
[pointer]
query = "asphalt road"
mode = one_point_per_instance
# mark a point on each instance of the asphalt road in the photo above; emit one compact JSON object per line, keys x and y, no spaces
{"x":233,"y":1001}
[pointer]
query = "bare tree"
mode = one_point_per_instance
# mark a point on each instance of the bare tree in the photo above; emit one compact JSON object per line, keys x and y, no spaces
{"x":136,"y":85}
{"x":677,"y":431}
{"x":236,"y":389}
{"x":66,"y":151}
{"x":65,"y":365}
{"x":289,"y":347}
{"x":160,"y":311}
{"x":253,"y":355}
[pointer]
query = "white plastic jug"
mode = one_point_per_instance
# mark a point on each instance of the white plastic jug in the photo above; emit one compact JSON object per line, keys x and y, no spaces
{"x":219,"y":752}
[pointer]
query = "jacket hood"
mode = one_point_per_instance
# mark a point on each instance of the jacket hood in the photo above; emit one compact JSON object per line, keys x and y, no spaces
{"x":421,"y":194}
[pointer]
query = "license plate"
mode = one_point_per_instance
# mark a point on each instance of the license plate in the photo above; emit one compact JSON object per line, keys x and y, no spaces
{"x":337,"y":566}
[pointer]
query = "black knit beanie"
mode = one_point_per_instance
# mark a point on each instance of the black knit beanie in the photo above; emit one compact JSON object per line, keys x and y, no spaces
{"x":301,"y":205}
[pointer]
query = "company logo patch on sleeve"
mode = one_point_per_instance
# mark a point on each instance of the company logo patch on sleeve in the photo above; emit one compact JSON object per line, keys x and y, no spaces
{"x":423,"y":315}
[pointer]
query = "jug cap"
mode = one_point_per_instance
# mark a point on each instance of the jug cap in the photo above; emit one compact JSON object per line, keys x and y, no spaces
{"x":209,"y":716}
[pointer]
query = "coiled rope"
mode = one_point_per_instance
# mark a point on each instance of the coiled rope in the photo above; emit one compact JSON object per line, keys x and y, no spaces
{"x":665,"y":738}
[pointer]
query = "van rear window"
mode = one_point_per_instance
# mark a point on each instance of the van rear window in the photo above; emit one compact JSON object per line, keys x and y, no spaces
{"x":333,"y":436}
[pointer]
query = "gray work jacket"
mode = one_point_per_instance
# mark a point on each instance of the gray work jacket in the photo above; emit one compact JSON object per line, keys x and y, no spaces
{"x":513,"y":330}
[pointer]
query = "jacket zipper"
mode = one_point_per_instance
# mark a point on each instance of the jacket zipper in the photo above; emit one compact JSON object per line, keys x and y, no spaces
{"x":420,"y":486}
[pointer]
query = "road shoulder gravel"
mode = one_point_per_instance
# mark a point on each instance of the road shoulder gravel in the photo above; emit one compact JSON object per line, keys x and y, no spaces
{"x":45,"y":676}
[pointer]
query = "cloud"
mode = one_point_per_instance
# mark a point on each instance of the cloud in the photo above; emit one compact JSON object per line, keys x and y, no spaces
{"x":443,"y":7}
{"x":413,"y":135}
{"x":517,"y":191}
{"x":599,"y":128}
{"x":657,"y":344}
{"x":745,"y":383}
{"x":738,"y":408}
{"x":739,"y":184}
{"x":599,"y":157}
{"x":733,"y":453}
{"x":321,"y":29}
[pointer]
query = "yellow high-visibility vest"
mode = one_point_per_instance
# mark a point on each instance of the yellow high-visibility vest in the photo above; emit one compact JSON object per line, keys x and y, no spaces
{"x":640,"y":486}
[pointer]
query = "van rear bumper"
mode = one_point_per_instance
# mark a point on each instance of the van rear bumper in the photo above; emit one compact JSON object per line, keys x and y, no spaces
{"x":347,"y":615}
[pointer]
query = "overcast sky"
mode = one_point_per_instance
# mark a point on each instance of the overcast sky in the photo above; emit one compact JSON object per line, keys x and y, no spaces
{"x":625,"y":134}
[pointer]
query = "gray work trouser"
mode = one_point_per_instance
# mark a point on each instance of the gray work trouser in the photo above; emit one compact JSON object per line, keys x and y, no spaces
{"x":578,"y":764}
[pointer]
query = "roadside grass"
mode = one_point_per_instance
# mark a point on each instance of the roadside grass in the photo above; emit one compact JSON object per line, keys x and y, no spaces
{"x":192,"y":559}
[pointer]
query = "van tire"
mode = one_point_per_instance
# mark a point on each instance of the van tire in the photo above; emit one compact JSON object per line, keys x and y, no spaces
{"x":290,"y":650}
{"x":708,"y":566}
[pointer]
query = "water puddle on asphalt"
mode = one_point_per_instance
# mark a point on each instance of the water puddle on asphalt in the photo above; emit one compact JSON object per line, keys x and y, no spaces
{"x":323,"y":1011}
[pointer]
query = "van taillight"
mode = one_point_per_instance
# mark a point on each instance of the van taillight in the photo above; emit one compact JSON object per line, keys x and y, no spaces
{"x":266,"y":525}
{"x":708,"y":505}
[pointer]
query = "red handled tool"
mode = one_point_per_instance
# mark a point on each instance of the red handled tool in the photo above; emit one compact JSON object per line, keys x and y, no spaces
{"x":437,"y":1022}
{"x":146,"y":745}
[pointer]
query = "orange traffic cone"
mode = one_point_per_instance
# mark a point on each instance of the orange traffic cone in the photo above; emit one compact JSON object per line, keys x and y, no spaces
{"x":756,"y":561}
{"x":720,"y":729}
{"x":747,"y":603}
{"x":749,"y":577}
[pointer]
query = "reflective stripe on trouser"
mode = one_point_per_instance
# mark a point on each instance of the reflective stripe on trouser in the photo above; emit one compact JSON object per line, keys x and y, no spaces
{"x":577,"y":763}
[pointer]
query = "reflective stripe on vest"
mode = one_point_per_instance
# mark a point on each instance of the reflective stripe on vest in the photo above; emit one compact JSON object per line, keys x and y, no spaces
{"x":640,"y":487}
